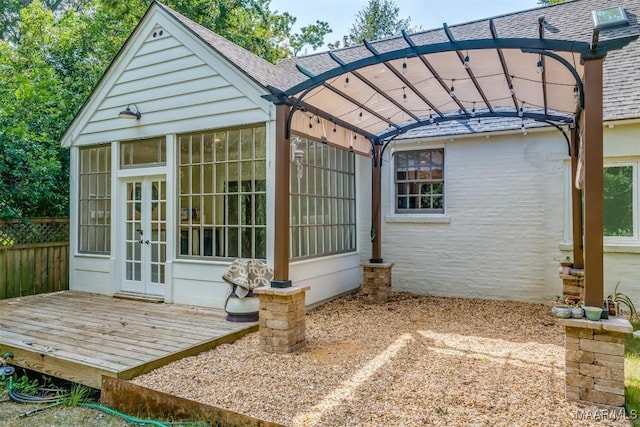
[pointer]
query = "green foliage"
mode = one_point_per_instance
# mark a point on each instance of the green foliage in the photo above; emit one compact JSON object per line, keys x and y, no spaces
{"x":548,"y":2}
{"x":618,"y":201}
{"x":52,"y":54}
{"x":618,"y":298}
{"x":377,"y":20}
{"x":632,"y":374}
{"x":78,"y":394}
{"x":21,"y":383}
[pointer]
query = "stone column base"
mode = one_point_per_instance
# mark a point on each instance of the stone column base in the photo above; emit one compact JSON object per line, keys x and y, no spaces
{"x":282,"y":318}
{"x":594,"y":360}
{"x":376,"y":282}
{"x":573,"y":286}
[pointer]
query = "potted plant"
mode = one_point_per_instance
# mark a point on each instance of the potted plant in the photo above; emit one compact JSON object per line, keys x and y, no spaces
{"x":618,"y":298}
{"x":561,"y":308}
{"x":576,"y":310}
{"x":566,"y":265}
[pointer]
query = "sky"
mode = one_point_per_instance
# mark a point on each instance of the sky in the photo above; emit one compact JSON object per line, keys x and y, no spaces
{"x":340,"y":14}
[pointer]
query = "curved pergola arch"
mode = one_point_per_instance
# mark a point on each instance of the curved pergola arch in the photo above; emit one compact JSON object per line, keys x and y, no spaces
{"x":566,"y":91}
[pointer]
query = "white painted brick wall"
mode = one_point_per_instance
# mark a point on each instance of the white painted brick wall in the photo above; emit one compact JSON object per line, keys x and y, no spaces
{"x":504,"y":202}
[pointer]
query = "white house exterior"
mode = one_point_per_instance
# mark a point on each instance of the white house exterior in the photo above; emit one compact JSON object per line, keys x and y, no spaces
{"x":125,"y":174}
{"x":196,"y":174}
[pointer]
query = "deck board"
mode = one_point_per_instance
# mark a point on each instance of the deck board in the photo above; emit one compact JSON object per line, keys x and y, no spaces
{"x":80,"y":336}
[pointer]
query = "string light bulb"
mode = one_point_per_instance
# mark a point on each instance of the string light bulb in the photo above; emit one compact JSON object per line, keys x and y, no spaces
{"x":521,"y":110}
{"x":576,"y":92}
{"x":431,"y":119}
{"x":539,"y":66}
{"x":466,"y":62}
{"x":452,"y":92}
{"x":360,"y":116}
{"x":404,"y":95}
{"x":404,"y":66}
{"x":473,"y":110}
{"x":346,"y":82}
{"x":511,"y":89}
{"x":310,"y":123}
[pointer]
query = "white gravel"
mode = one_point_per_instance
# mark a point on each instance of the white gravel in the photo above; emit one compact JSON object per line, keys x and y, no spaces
{"x":417,"y":360}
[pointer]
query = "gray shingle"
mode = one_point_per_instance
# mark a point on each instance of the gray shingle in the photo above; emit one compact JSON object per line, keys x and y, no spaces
{"x":570,"y":21}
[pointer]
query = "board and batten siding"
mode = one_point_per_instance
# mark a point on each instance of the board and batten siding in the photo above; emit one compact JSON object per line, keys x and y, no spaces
{"x":502,"y":224}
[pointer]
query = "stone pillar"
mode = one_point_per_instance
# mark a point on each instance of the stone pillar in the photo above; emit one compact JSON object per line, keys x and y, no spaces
{"x":282,"y":318}
{"x":594,"y":360}
{"x":573,"y":285}
{"x":376,"y":282}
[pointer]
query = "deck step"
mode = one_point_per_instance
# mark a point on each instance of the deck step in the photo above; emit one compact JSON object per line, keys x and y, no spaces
{"x":140,"y":298}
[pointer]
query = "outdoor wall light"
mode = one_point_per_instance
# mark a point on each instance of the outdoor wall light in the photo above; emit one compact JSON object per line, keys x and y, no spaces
{"x":128,"y":114}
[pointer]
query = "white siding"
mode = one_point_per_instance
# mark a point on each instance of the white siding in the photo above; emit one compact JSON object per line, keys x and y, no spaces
{"x":334,"y":275}
{"x":178,"y":84}
{"x":93,"y":274}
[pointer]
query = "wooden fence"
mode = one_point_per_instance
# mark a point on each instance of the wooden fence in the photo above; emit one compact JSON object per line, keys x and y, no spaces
{"x":34,"y":256}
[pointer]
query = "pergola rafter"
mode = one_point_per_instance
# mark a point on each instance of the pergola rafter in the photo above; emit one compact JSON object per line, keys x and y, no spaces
{"x":467,"y":67}
{"x":554,"y":107}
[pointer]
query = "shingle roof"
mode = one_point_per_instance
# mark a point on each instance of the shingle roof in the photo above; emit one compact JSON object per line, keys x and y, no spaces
{"x":570,"y":20}
{"x":260,"y":70}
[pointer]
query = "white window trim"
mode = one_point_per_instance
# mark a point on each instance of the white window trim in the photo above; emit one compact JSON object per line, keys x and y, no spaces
{"x":629,"y":244}
{"x":423,"y":218}
{"x":631,"y":240}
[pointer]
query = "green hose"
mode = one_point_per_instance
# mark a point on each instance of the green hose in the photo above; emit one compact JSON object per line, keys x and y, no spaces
{"x":121,"y":415}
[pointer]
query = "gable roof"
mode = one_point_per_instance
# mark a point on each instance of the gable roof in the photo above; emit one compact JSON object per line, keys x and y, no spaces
{"x":258,"y":69}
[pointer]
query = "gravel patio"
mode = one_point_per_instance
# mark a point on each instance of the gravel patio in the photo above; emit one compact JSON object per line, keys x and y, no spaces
{"x":417,"y":360}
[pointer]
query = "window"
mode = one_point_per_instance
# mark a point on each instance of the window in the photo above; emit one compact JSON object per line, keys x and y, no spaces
{"x":94,"y":221}
{"x":148,"y":152}
{"x":222,"y":189}
{"x":620,"y":201}
{"x":419,"y":181}
{"x":323,"y":201}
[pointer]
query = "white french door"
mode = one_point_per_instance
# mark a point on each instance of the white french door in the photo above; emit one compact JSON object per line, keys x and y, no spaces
{"x":145,"y":240}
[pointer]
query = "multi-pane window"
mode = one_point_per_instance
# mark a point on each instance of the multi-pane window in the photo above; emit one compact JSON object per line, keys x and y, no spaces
{"x":94,"y":222}
{"x":323,"y":206}
{"x":620,"y":200}
{"x":222,"y":193}
{"x":419,"y":181}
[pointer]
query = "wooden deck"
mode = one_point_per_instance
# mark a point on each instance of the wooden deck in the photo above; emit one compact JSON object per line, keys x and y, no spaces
{"x":79,"y":336}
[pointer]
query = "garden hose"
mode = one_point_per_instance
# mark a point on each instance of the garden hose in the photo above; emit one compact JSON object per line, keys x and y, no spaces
{"x":121,"y":415}
{"x":58,"y":399}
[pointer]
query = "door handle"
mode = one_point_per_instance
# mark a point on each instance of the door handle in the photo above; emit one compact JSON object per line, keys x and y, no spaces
{"x":146,"y":241}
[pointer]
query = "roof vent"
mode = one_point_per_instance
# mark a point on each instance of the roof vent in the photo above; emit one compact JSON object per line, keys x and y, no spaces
{"x":610,"y":17}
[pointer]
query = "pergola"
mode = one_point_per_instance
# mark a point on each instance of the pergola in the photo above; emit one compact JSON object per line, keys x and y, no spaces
{"x":363,"y":98}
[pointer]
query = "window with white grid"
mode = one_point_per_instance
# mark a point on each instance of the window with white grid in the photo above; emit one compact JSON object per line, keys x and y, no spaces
{"x":323,"y":200}
{"x":222,"y":193}
{"x":94,"y":222}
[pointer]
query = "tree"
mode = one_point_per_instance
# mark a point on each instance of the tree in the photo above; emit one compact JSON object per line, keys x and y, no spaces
{"x":52,"y":54}
{"x":377,"y":20}
{"x":548,"y":2}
